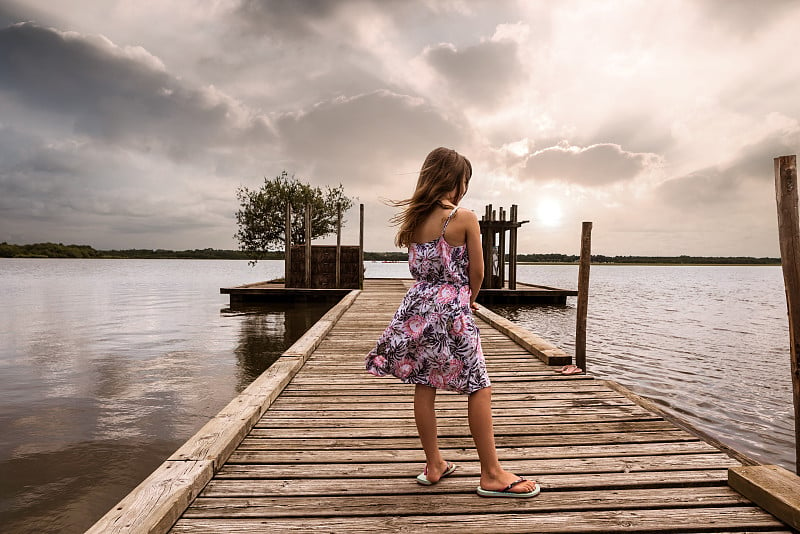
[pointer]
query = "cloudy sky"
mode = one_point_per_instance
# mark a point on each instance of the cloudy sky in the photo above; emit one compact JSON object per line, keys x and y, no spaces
{"x":131,"y":124}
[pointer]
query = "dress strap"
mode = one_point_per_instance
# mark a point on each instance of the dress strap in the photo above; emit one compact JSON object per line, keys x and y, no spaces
{"x":448,"y":219}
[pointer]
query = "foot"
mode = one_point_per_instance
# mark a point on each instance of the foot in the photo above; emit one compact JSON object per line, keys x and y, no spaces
{"x":434,"y":471}
{"x":501,"y":481}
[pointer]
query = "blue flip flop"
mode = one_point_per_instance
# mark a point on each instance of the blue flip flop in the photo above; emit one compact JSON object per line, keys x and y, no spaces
{"x":423,"y":479}
{"x":506,"y":492}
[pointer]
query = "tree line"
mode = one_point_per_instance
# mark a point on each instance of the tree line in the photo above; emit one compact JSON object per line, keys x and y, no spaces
{"x":668,"y":260}
{"x":59,"y":250}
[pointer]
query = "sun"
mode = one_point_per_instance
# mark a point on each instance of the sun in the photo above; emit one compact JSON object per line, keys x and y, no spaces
{"x":549,"y":212}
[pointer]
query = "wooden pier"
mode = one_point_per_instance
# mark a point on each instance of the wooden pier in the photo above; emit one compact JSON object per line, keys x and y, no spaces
{"x":333,"y":449}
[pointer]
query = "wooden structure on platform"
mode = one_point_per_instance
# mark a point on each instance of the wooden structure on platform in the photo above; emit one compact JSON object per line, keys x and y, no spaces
{"x":496,"y":287}
{"x":310,"y":266}
{"x":493,"y":238}
{"x":300,"y":451}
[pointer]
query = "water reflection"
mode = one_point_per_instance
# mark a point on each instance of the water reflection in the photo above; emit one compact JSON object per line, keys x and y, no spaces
{"x":107,"y":367}
{"x":67,"y":489}
{"x":266,"y":331}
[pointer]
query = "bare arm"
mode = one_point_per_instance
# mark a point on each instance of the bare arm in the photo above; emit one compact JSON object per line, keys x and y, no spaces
{"x":475,"y":252}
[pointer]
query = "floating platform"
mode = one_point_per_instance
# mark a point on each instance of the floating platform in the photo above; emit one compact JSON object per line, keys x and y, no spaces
{"x":315,"y":444}
{"x":526,"y":294}
{"x":274,"y":291}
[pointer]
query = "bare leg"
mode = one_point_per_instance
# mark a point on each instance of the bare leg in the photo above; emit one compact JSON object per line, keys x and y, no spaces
{"x":493,"y":477}
{"x":425,"y":417}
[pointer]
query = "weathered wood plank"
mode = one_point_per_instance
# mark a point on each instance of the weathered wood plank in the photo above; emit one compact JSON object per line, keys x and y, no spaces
{"x":446,"y":503}
{"x":414,"y":454}
{"x":443,"y":421}
{"x":252,"y":465}
{"x":233,"y":485}
{"x":461,"y":430}
{"x":701,"y":519}
{"x":265,"y":440}
{"x":347,"y":411}
{"x":155,"y":504}
{"x":773,"y":488}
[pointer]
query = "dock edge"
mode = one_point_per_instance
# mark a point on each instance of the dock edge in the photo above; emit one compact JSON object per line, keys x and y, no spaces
{"x":157,"y":502}
{"x":548,"y":353}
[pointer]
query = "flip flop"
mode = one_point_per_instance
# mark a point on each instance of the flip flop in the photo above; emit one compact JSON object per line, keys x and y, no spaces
{"x":572,"y":370}
{"x":423,"y":479}
{"x":506,"y":492}
{"x":562,"y":369}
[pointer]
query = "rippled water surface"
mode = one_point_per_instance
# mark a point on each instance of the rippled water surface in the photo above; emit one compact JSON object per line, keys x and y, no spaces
{"x":107,"y":366}
{"x":710,"y":344}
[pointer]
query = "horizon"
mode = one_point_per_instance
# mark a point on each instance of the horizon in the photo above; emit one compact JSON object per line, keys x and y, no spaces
{"x":656,"y":121}
{"x":397,"y":251}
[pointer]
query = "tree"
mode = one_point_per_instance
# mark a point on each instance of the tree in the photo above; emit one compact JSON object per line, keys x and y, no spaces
{"x":262,"y":213}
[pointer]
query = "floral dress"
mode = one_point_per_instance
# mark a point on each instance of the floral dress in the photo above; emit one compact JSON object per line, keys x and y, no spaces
{"x":432,"y":339}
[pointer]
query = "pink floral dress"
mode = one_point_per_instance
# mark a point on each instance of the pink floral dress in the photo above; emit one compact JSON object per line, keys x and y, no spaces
{"x":432,"y":339}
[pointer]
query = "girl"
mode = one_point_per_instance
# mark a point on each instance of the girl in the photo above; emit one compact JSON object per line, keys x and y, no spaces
{"x":432,"y":341}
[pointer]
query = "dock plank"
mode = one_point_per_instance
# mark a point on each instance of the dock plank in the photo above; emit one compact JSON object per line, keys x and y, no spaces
{"x":604,"y":521}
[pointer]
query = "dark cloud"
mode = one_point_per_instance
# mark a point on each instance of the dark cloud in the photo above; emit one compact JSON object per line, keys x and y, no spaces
{"x":719,"y":185}
{"x":118,"y":95}
{"x":285,"y":17}
{"x":482,"y":74}
{"x":73,"y":192}
{"x":595,"y":165}
{"x":296,"y":20}
{"x":353,"y":137}
{"x":13,"y":12}
{"x":745,"y":17}
{"x":636,"y":131}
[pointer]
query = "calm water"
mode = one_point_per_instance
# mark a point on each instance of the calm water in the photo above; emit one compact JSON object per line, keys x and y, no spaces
{"x":107,"y":366}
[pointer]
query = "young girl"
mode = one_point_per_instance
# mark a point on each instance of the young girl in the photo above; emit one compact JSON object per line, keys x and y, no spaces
{"x":432,"y":341}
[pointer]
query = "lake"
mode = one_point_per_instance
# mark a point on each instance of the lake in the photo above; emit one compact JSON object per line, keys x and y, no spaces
{"x":107,"y":366}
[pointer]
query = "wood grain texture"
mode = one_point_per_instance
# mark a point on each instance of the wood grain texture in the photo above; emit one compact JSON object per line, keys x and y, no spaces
{"x":772,"y":487}
{"x":155,"y":504}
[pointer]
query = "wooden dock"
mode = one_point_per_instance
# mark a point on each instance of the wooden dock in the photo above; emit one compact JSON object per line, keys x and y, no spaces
{"x":336,"y":451}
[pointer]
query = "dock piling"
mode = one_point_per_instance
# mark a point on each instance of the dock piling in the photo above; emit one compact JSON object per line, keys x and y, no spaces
{"x":308,"y":244}
{"x":789,"y":237}
{"x":361,"y":246}
{"x":287,"y":254}
{"x":583,"y":295}
{"x":338,"y":245}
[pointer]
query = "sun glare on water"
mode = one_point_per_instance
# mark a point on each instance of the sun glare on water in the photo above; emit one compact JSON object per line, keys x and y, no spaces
{"x":549,"y":212}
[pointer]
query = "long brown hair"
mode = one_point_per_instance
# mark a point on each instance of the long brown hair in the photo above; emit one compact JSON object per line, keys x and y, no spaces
{"x":443,"y":171}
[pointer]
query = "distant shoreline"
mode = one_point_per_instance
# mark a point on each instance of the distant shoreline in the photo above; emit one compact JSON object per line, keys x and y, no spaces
{"x":58,"y":250}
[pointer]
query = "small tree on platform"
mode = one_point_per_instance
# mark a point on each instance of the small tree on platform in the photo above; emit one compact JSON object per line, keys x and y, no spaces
{"x":261,"y":215}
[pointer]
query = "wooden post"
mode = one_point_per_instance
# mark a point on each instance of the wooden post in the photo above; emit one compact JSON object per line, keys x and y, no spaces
{"x":583,"y":295}
{"x":512,"y":250}
{"x":338,"y":246}
{"x":789,"y":237}
{"x":502,"y":250}
{"x":287,"y":253}
{"x":487,"y":249}
{"x":308,"y":245}
{"x":361,"y":246}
